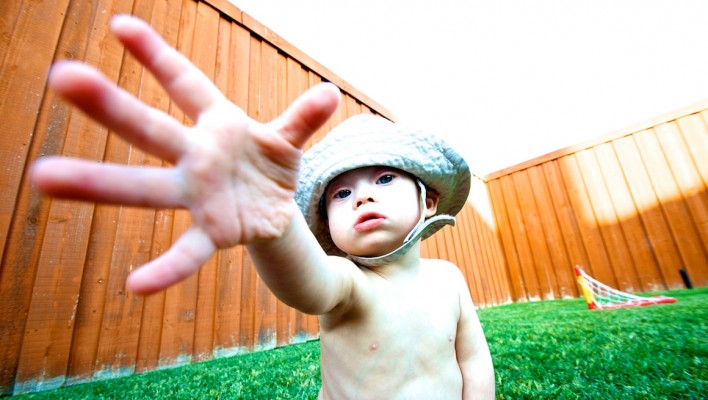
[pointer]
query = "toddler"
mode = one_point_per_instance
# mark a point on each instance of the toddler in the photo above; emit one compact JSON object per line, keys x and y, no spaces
{"x":335,"y":232}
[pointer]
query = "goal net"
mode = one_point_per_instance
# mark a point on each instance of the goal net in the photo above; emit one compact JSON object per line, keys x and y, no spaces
{"x":602,"y":297}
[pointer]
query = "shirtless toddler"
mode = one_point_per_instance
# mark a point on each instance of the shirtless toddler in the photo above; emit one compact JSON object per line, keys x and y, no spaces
{"x":336,"y":235}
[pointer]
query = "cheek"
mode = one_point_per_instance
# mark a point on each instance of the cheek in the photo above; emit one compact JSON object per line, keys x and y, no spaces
{"x":335,"y":231}
{"x":409,"y":200}
{"x":334,"y":219}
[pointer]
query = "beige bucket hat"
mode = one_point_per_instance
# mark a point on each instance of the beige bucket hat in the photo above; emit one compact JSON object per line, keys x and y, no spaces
{"x":365,"y":140}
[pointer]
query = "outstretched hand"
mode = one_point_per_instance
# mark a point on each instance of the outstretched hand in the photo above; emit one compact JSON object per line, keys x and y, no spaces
{"x":236,"y":176}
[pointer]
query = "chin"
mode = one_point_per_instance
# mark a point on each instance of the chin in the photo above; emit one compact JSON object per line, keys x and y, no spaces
{"x":373,"y":250}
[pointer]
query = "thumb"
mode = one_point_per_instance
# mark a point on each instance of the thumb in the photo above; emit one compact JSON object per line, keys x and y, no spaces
{"x":307,"y":113}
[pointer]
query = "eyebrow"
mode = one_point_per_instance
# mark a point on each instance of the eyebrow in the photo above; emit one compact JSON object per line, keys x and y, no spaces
{"x":334,"y":183}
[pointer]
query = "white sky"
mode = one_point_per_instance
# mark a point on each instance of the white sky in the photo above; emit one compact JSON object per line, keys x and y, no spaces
{"x":507,"y":80}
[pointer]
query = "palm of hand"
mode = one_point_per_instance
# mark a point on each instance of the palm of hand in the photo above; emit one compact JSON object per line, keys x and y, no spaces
{"x":239,"y":178}
{"x":235,"y":175}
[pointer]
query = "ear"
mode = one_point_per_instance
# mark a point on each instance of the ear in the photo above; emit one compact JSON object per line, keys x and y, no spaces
{"x":431,"y":203}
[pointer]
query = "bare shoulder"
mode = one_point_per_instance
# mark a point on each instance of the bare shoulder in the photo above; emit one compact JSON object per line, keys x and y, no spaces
{"x":349,"y":273}
{"x":445,"y":277}
{"x":351,"y":286}
{"x":445,"y":269}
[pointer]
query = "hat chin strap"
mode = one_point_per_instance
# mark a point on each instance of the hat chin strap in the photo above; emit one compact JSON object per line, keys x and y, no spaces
{"x":421,"y":227}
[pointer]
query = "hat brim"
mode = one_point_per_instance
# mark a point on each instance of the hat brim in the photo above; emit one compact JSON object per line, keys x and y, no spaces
{"x":365,"y":141}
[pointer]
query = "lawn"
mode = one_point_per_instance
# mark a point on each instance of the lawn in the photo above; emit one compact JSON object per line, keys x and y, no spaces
{"x":542,"y":350}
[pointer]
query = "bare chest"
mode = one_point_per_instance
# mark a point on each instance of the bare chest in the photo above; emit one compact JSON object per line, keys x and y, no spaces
{"x":415,"y":319}
{"x":415,"y":311}
{"x":403,"y":343}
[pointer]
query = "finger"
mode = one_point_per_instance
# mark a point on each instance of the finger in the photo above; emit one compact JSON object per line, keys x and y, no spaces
{"x":192,"y":250}
{"x":307,"y":113}
{"x":108,"y":183}
{"x":147,"y":128}
{"x":187,"y":85}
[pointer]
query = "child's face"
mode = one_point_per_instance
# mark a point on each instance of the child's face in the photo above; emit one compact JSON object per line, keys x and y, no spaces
{"x":371,"y":210}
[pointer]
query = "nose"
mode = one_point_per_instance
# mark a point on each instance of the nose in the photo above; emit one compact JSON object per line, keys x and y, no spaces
{"x":363,"y":200}
{"x":364,"y":194}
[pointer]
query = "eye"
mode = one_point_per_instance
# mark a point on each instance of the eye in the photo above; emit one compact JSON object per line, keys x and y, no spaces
{"x":341,"y":194}
{"x":384,"y":179}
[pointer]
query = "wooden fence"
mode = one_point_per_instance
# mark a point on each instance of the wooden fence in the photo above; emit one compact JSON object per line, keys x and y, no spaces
{"x":630,"y":208}
{"x":66,"y":316}
{"x":473,"y":245}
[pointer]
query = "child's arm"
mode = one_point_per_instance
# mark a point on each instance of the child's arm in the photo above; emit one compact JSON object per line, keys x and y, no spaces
{"x":298,"y":272}
{"x":473,"y":351}
{"x":237,"y":176}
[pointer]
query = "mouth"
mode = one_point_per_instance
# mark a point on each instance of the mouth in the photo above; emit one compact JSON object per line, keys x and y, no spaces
{"x":368,"y":221}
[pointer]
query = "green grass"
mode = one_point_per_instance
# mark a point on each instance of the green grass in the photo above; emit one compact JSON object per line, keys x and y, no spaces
{"x":542,"y":350}
{"x":559,"y":349}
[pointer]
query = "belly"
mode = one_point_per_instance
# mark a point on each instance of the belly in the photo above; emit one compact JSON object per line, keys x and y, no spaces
{"x":395,"y":366}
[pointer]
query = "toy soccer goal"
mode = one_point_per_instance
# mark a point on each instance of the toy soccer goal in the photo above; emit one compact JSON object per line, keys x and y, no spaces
{"x":602,"y":297}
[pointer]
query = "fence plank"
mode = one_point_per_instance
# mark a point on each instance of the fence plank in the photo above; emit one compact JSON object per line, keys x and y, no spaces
{"x":177,"y":335}
{"x":61,"y":264}
{"x":695,"y":133}
{"x":204,"y":56}
{"x":493,"y":274}
{"x":507,"y":241}
{"x":644,"y":269}
{"x":534,"y":231}
{"x":297,"y":83}
{"x":599,"y":262}
{"x":687,"y":177}
{"x":489,"y":230}
{"x":131,"y":247}
{"x":165,"y":15}
{"x":677,"y":213}
{"x":265,"y":323}
{"x":658,"y":233}
{"x":95,"y":280}
{"x":560,"y":270}
{"x":282,"y":312}
{"x":473,"y":263}
{"x":567,"y":222}
{"x":485,"y":267}
{"x":520,"y":243}
{"x":23,"y":211}
{"x":26,"y":59}
{"x":606,"y":219}
{"x":231,"y":76}
{"x":9,"y":15}
{"x":521,"y":240}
